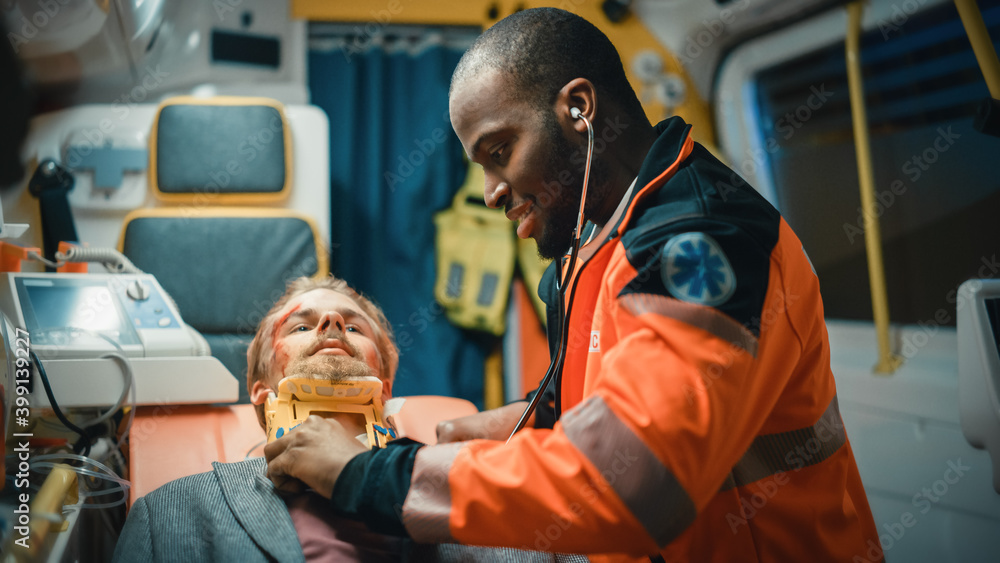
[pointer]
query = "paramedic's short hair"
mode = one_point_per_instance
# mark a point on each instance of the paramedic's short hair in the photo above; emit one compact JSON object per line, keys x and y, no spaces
{"x":540,"y":50}
{"x":260,"y":354}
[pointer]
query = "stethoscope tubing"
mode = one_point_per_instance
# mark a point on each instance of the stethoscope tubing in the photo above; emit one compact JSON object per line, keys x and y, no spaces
{"x":556,"y":365}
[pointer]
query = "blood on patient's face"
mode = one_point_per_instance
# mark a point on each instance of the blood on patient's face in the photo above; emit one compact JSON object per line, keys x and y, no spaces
{"x":280,"y":354}
{"x":324,"y":334}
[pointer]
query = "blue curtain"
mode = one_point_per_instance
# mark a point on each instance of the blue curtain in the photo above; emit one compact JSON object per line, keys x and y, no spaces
{"x":394,"y":162}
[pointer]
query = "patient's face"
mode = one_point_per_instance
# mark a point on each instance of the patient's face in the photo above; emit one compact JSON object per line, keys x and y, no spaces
{"x":324,"y":334}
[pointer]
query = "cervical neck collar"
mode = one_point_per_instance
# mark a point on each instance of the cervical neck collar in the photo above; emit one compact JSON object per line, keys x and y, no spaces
{"x":299,"y":397}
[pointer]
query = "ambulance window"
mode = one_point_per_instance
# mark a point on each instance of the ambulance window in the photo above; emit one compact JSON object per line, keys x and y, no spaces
{"x":936,"y":177}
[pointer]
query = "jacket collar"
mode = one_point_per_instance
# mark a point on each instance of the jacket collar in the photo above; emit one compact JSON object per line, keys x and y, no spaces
{"x":672,"y":146}
{"x":258,"y":508}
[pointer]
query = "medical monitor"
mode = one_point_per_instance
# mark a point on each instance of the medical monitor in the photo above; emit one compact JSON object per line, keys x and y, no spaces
{"x":75,"y":323}
{"x":87,"y":315}
{"x":49,"y":305}
{"x":978,"y":309}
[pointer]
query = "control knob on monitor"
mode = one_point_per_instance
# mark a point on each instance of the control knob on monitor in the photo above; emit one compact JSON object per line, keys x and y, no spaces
{"x":137,"y":291}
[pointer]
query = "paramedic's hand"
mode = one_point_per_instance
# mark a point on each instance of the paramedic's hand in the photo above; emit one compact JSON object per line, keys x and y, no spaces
{"x":495,"y":424}
{"x":312,"y":455}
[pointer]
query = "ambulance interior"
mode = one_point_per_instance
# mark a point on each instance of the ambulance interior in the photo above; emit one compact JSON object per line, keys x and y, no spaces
{"x":194,"y":156}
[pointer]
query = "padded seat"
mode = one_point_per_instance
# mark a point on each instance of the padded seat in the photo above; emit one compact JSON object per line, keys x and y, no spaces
{"x":224,"y":262}
{"x":224,"y":267}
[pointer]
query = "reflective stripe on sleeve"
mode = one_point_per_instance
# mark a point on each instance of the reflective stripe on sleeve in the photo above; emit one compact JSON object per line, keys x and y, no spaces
{"x":790,"y":451}
{"x":644,"y":484}
{"x":706,"y":318}
{"x":427,"y":507}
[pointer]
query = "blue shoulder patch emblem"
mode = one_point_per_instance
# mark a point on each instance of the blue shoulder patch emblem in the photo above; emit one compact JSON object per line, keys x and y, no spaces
{"x":696,"y":270}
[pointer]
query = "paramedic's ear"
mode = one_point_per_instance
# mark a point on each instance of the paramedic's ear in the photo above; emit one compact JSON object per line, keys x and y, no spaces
{"x":577,"y":100}
{"x":259,"y":392}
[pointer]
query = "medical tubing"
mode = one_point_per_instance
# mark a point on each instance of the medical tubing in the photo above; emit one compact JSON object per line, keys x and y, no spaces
{"x":254,"y":447}
{"x":39,"y":258}
{"x":131,"y":417}
{"x":586,"y":182}
{"x":81,"y":430}
{"x":122,"y":359}
{"x":129,"y":383}
{"x":89,"y":473}
{"x":55,"y":406}
{"x":556,"y":364}
{"x":111,"y":258}
{"x":105,"y":474}
{"x":128,"y":390}
{"x":538,"y":395}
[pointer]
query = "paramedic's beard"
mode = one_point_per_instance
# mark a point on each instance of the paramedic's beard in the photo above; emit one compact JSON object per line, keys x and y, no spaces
{"x":328,"y":366}
{"x":557,"y":232}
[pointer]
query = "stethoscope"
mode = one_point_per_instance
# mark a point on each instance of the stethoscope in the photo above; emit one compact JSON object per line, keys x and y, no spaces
{"x":557,"y":364}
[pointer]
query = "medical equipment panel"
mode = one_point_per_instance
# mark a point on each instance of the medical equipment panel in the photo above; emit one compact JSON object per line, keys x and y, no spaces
{"x":78,"y":323}
{"x":130,"y":309}
{"x":978,"y":307}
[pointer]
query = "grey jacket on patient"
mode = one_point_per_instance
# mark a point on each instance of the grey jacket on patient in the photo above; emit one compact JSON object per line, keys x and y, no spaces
{"x":233,"y":513}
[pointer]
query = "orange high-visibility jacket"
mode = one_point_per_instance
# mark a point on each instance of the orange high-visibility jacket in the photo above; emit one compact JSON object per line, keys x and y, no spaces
{"x":696,"y":411}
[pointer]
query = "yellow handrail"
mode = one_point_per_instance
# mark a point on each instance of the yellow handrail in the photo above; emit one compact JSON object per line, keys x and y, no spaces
{"x":887,"y":361}
{"x":972,"y":19}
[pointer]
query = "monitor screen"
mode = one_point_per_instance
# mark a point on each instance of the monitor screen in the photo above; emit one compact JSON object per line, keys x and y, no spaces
{"x":49,"y":305}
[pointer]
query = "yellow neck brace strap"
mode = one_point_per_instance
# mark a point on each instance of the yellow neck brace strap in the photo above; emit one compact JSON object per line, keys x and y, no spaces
{"x":299,"y":397}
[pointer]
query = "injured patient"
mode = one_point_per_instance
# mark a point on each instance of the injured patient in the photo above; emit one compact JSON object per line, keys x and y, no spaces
{"x":319,"y":329}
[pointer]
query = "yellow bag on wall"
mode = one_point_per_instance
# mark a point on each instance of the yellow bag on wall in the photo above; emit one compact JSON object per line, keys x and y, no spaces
{"x":476,"y":252}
